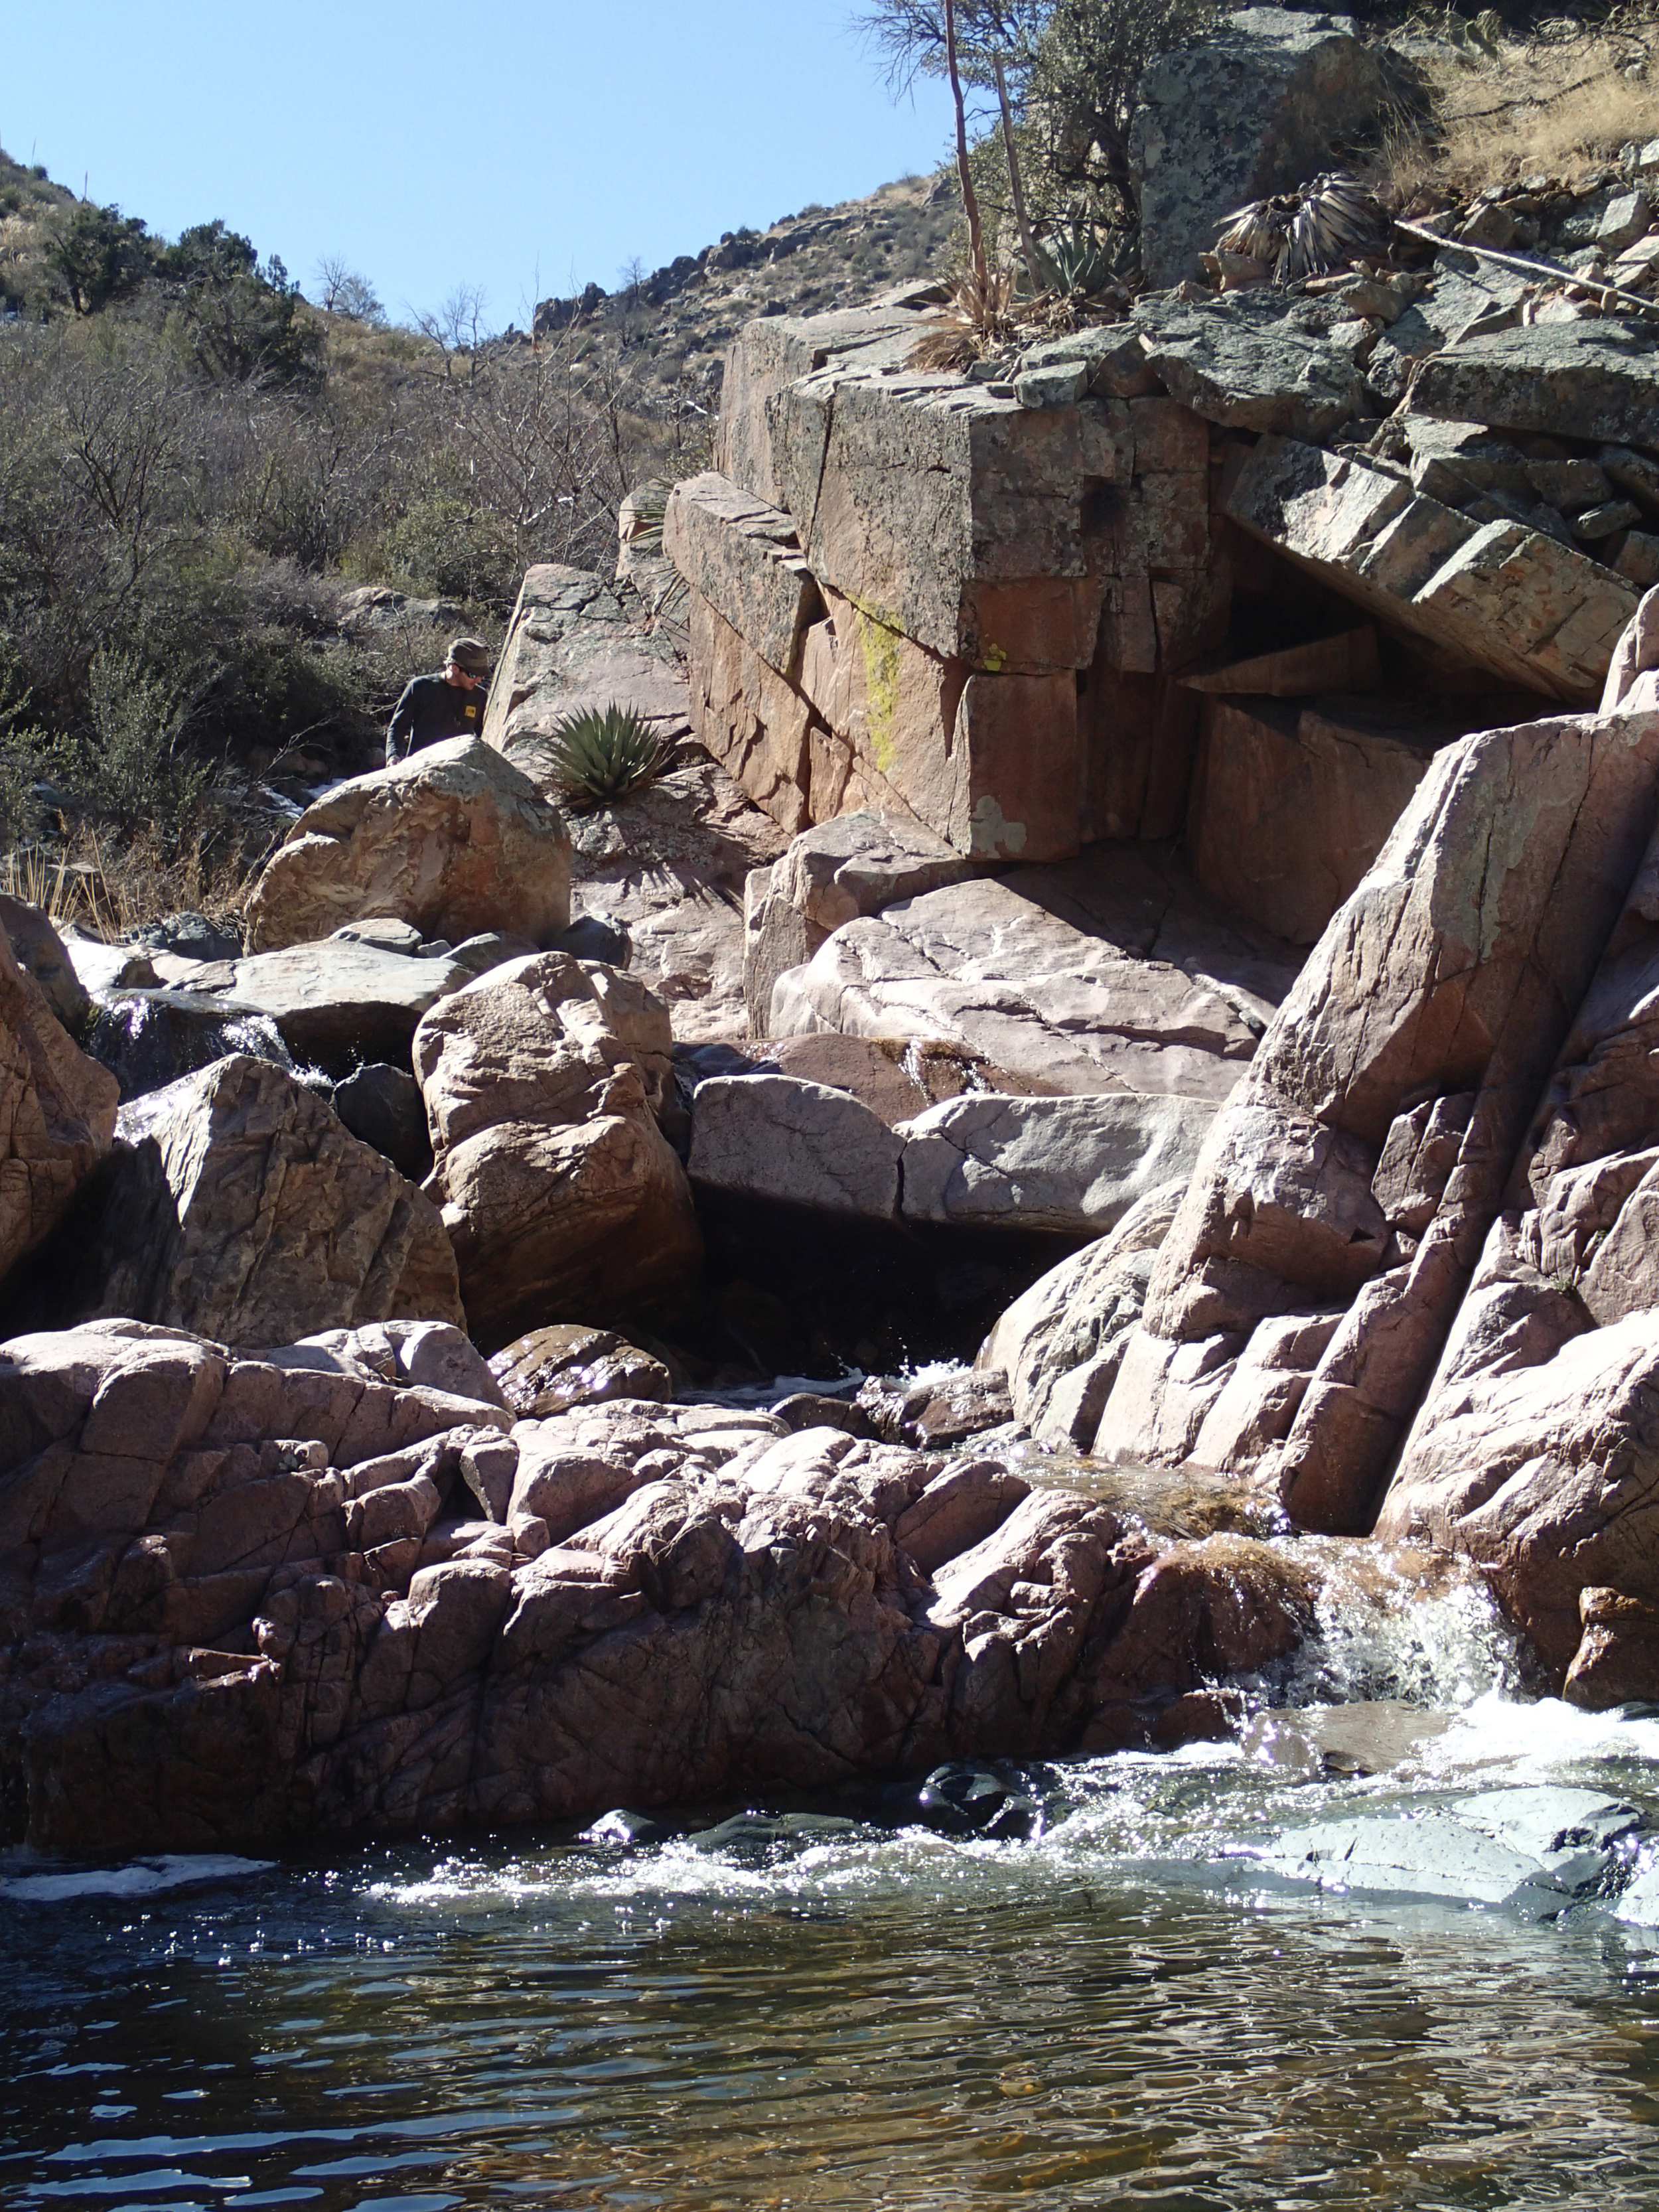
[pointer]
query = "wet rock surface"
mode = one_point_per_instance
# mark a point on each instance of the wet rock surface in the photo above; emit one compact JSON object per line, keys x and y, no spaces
{"x":1535,"y":1852}
{"x":245,"y":1597}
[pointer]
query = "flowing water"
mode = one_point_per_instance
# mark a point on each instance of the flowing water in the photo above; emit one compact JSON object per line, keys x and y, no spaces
{"x":1141,"y":2007}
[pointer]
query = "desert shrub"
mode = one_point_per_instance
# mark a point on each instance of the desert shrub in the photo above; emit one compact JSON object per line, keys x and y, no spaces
{"x":101,"y":255}
{"x":602,"y":754}
{"x":132,"y":765}
{"x":444,"y":544}
{"x":235,"y":318}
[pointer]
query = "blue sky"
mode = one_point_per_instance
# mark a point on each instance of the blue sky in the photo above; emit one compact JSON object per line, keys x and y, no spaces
{"x":522,"y":146}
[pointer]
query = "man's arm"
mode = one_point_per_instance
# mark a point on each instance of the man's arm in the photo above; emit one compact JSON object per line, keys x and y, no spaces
{"x":402,"y":726}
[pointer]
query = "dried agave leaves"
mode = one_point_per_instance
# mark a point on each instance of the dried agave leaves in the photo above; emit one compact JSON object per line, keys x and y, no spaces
{"x":1321,"y":228}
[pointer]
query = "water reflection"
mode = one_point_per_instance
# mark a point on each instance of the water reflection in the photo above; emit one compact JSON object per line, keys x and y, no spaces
{"x":1135,"y":2011}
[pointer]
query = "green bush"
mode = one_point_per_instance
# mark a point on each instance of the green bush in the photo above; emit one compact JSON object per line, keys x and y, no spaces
{"x":101,"y":255}
{"x":446,"y":545}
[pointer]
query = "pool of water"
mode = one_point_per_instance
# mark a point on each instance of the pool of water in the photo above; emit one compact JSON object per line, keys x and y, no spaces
{"x":1135,"y":2009}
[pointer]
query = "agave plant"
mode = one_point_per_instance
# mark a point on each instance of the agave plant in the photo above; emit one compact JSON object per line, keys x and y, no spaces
{"x":601,"y":754}
{"x":1076,"y":260}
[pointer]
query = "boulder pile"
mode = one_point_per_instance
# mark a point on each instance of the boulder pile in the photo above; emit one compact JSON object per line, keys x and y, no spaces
{"x":1172,"y":832}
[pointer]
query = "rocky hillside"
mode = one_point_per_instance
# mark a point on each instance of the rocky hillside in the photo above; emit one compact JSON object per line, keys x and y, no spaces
{"x":670,"y":326}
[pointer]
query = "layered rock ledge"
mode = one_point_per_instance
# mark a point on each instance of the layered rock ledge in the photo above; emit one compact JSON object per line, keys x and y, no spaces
{"x":336,"y":1587}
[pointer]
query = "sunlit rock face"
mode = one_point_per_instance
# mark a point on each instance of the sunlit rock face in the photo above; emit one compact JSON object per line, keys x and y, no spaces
{"x":253,"y":1594}
{"x":455,"y":839}
{"x":1355,"y":1172}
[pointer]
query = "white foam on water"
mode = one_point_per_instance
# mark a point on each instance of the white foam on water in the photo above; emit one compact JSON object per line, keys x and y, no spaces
{"x":139,"y":1878}
{"x":1382,"y":1635}
{"x":1542,"y":1739}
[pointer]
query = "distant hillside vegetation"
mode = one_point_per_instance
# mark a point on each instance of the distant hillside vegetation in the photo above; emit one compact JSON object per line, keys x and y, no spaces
{"x":198,"y":468}
{"x":673,"y":324}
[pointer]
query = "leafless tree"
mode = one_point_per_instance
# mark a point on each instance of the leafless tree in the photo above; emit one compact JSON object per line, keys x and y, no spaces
{"x":346,"y":292}
{"x":458,"y":326}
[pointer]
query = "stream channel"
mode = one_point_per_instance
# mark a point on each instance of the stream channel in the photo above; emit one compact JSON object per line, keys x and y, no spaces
{"x":1161,"y":1999}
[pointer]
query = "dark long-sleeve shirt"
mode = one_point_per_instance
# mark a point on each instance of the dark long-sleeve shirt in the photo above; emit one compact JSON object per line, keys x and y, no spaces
{"x":431,"y":710}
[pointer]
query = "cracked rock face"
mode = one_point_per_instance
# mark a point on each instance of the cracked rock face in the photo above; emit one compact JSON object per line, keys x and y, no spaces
{"x":571,"y":646}
{"x":237,"y":1204}
{"x":803,"y":1143}
{"x":241,"y":1600}
{"x":1301,"y":1301}
{"x":1061,"y":1164}
{"x":1537,"y":1448}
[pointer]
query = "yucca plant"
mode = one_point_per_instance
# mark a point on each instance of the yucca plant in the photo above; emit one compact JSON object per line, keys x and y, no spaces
{"x":602,"y":753}
{"x":650,"y":505}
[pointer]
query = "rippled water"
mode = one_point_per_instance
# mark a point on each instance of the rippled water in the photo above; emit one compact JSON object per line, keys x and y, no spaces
{"x":1132,"y":2011}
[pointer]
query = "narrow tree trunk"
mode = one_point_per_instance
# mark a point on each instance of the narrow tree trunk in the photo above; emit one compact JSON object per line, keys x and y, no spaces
{"x":1028,"y":244}
{"x":969,"y":197}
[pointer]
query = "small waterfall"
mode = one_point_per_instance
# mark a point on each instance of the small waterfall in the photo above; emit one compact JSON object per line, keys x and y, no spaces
{"x":148,"y":1039}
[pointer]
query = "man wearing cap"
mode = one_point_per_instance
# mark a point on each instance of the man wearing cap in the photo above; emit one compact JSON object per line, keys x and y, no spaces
{"x":450,"y":704}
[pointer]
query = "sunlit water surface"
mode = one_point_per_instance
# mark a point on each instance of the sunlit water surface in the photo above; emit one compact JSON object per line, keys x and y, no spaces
{"x":1130,"y":2011}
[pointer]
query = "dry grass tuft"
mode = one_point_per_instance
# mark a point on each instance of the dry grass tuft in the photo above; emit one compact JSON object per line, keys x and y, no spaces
{"x":1554,"y":107}
{"x":112,"y":892}
{"x":975,"y":323}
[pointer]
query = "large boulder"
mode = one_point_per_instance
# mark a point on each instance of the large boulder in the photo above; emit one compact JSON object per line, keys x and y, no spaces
{"x":1250,"y":361}
{"x":454,"y":839}
{"x":1342,"y":1199}
{"x":341,"y":1003}
{"x":41,"y":952}
{"x":56,"y":1112}
{"x":237,"y":1205}
{"x":986,"y":654}
{"x":1592,"y":379}
{"x":243,"y":1600}
{"x":1537,"y":1447}
{"x":563,"y":1199}
{"x":1258,"y":107}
